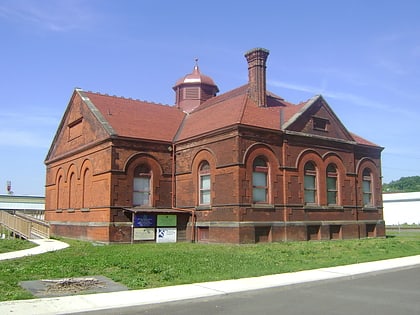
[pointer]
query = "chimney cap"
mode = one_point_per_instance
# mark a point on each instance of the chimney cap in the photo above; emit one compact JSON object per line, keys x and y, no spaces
{"x":257,"y":49}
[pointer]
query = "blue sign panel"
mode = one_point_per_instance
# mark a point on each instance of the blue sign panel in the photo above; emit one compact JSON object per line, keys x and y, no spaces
{"x":144,"y":220}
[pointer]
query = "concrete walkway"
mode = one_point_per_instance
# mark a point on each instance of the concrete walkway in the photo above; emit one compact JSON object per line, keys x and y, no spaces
{"x":44,"y":245}
{"x":100,"y":301}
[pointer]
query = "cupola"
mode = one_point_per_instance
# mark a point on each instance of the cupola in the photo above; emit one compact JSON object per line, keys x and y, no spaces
{"x":194,"y":89}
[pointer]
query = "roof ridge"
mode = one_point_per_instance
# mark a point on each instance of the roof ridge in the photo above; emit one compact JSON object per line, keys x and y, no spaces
{"x":127,"y":98}
{"x":222,"y":97}
{"x":242,"y":112}
{"x":97,"y":113}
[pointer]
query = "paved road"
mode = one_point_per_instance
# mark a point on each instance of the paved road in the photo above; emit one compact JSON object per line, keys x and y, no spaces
{"x":384,"y":293}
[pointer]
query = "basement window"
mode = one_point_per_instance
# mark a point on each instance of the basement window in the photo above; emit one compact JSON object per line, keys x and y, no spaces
{"x":320,"y":123}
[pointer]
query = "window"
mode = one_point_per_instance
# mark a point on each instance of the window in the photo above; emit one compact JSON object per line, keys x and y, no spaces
{"x":367,"y":187}
{"x":320,"y":123}
{"x":332,"y":190}
{"x":259,"y":181}
{"x":310,"y":183}
{"x":204,"y":183}
{"x":142,"y":186}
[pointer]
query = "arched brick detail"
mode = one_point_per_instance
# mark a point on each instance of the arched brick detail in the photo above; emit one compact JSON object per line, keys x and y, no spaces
{"x":60,"y":172}
{"x":204,"y":154}
{"x":86,"y":180}
{"x":332,"y":158}
{"x":134,"y":158}
{"x":264,"y":151}
{"x":312,"y":156}
{"x":72,"y":169}
{"x":376,"y":185}
{"x":306,"y":156}
{"x":201,"y":156}
{"x":59,"y":189}
{"x":73,"y":187}
{"x":156,"y":171}
{"x":86,"y":164}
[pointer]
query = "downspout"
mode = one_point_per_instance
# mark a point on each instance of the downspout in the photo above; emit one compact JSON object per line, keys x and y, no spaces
{"x":284,"y":190}
{"x":357,"y":203}
{"x":356,"y":187}
{"x":173,"y":177}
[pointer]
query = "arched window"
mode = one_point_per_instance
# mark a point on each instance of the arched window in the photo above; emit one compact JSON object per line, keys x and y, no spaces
{"x":332,"y":187}
{"x":367,"y":187}
{"x":204,"y":183}
{"x":142,"y":186}
{"x":310,"y":183}
{"x":259,"y":181}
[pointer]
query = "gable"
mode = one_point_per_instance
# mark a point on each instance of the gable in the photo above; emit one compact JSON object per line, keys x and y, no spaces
{"x":93,"y":117}
{"x":215,"y":114}
{"x":317,"y":118}
{"x":78,"y":128}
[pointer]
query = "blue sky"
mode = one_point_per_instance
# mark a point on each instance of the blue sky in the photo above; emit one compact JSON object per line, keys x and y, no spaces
{"x":362,"y":56}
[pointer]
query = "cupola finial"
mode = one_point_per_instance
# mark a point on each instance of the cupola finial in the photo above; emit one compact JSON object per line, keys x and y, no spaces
{"x":194,"y":89}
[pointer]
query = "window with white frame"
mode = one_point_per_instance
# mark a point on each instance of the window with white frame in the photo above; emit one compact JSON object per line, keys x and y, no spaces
{"x":204,"y":183}
{"x":367,"y":187}
{"x":260,"y":181}
{"x":310,"y":186}
{"x":332,"y":187}
{"x":142,"y":186}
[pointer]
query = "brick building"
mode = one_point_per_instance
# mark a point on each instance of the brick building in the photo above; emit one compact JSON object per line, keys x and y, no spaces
{"x":244,"y":166}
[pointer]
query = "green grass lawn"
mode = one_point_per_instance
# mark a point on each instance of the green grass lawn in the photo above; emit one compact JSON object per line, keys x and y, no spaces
{"x":11,"y":245}
{"x":141,"y":266}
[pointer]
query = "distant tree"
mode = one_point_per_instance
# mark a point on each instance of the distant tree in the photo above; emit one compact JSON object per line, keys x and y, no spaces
{"x":404,"y":184}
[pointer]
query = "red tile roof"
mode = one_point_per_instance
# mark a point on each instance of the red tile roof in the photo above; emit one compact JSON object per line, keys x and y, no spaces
{"x":235,"y":107}
{"x":138,"y":119}
{"x":361,"y":140}
{"x":157,"y":122}
{"x":218,"y":112}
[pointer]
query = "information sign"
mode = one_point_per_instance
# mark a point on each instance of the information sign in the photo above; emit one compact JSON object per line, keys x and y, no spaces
{"x":144,"y":220}
{"x":166,"y":235}
{"x":166,"y":220}
{"x":144,"y":234}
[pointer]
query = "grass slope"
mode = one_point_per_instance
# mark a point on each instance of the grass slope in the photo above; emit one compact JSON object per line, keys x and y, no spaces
{"x":141,"y":266}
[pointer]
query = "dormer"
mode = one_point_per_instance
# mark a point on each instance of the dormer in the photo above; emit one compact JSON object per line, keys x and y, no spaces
{"x":193,"y":90}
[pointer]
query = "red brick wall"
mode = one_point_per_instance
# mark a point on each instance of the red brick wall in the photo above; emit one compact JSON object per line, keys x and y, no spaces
{"x":89,"y":180}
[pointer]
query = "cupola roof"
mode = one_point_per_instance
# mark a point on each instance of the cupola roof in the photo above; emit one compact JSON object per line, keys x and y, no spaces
{"x":195,"y":77}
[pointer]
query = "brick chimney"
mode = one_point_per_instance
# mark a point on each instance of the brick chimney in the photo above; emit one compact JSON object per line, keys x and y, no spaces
{"x":257,"y":58}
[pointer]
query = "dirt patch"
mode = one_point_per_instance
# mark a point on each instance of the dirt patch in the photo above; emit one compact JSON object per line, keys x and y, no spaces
{"x":71,"y":286}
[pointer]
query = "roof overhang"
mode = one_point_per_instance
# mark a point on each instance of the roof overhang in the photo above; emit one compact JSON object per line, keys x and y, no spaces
{"x":155,"y":210}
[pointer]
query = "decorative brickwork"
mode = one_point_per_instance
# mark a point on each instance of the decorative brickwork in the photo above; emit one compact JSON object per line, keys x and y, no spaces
{"x":275,"y":171}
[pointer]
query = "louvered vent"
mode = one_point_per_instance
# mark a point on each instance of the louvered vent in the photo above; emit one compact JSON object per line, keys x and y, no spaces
{"x":192,"y":93}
